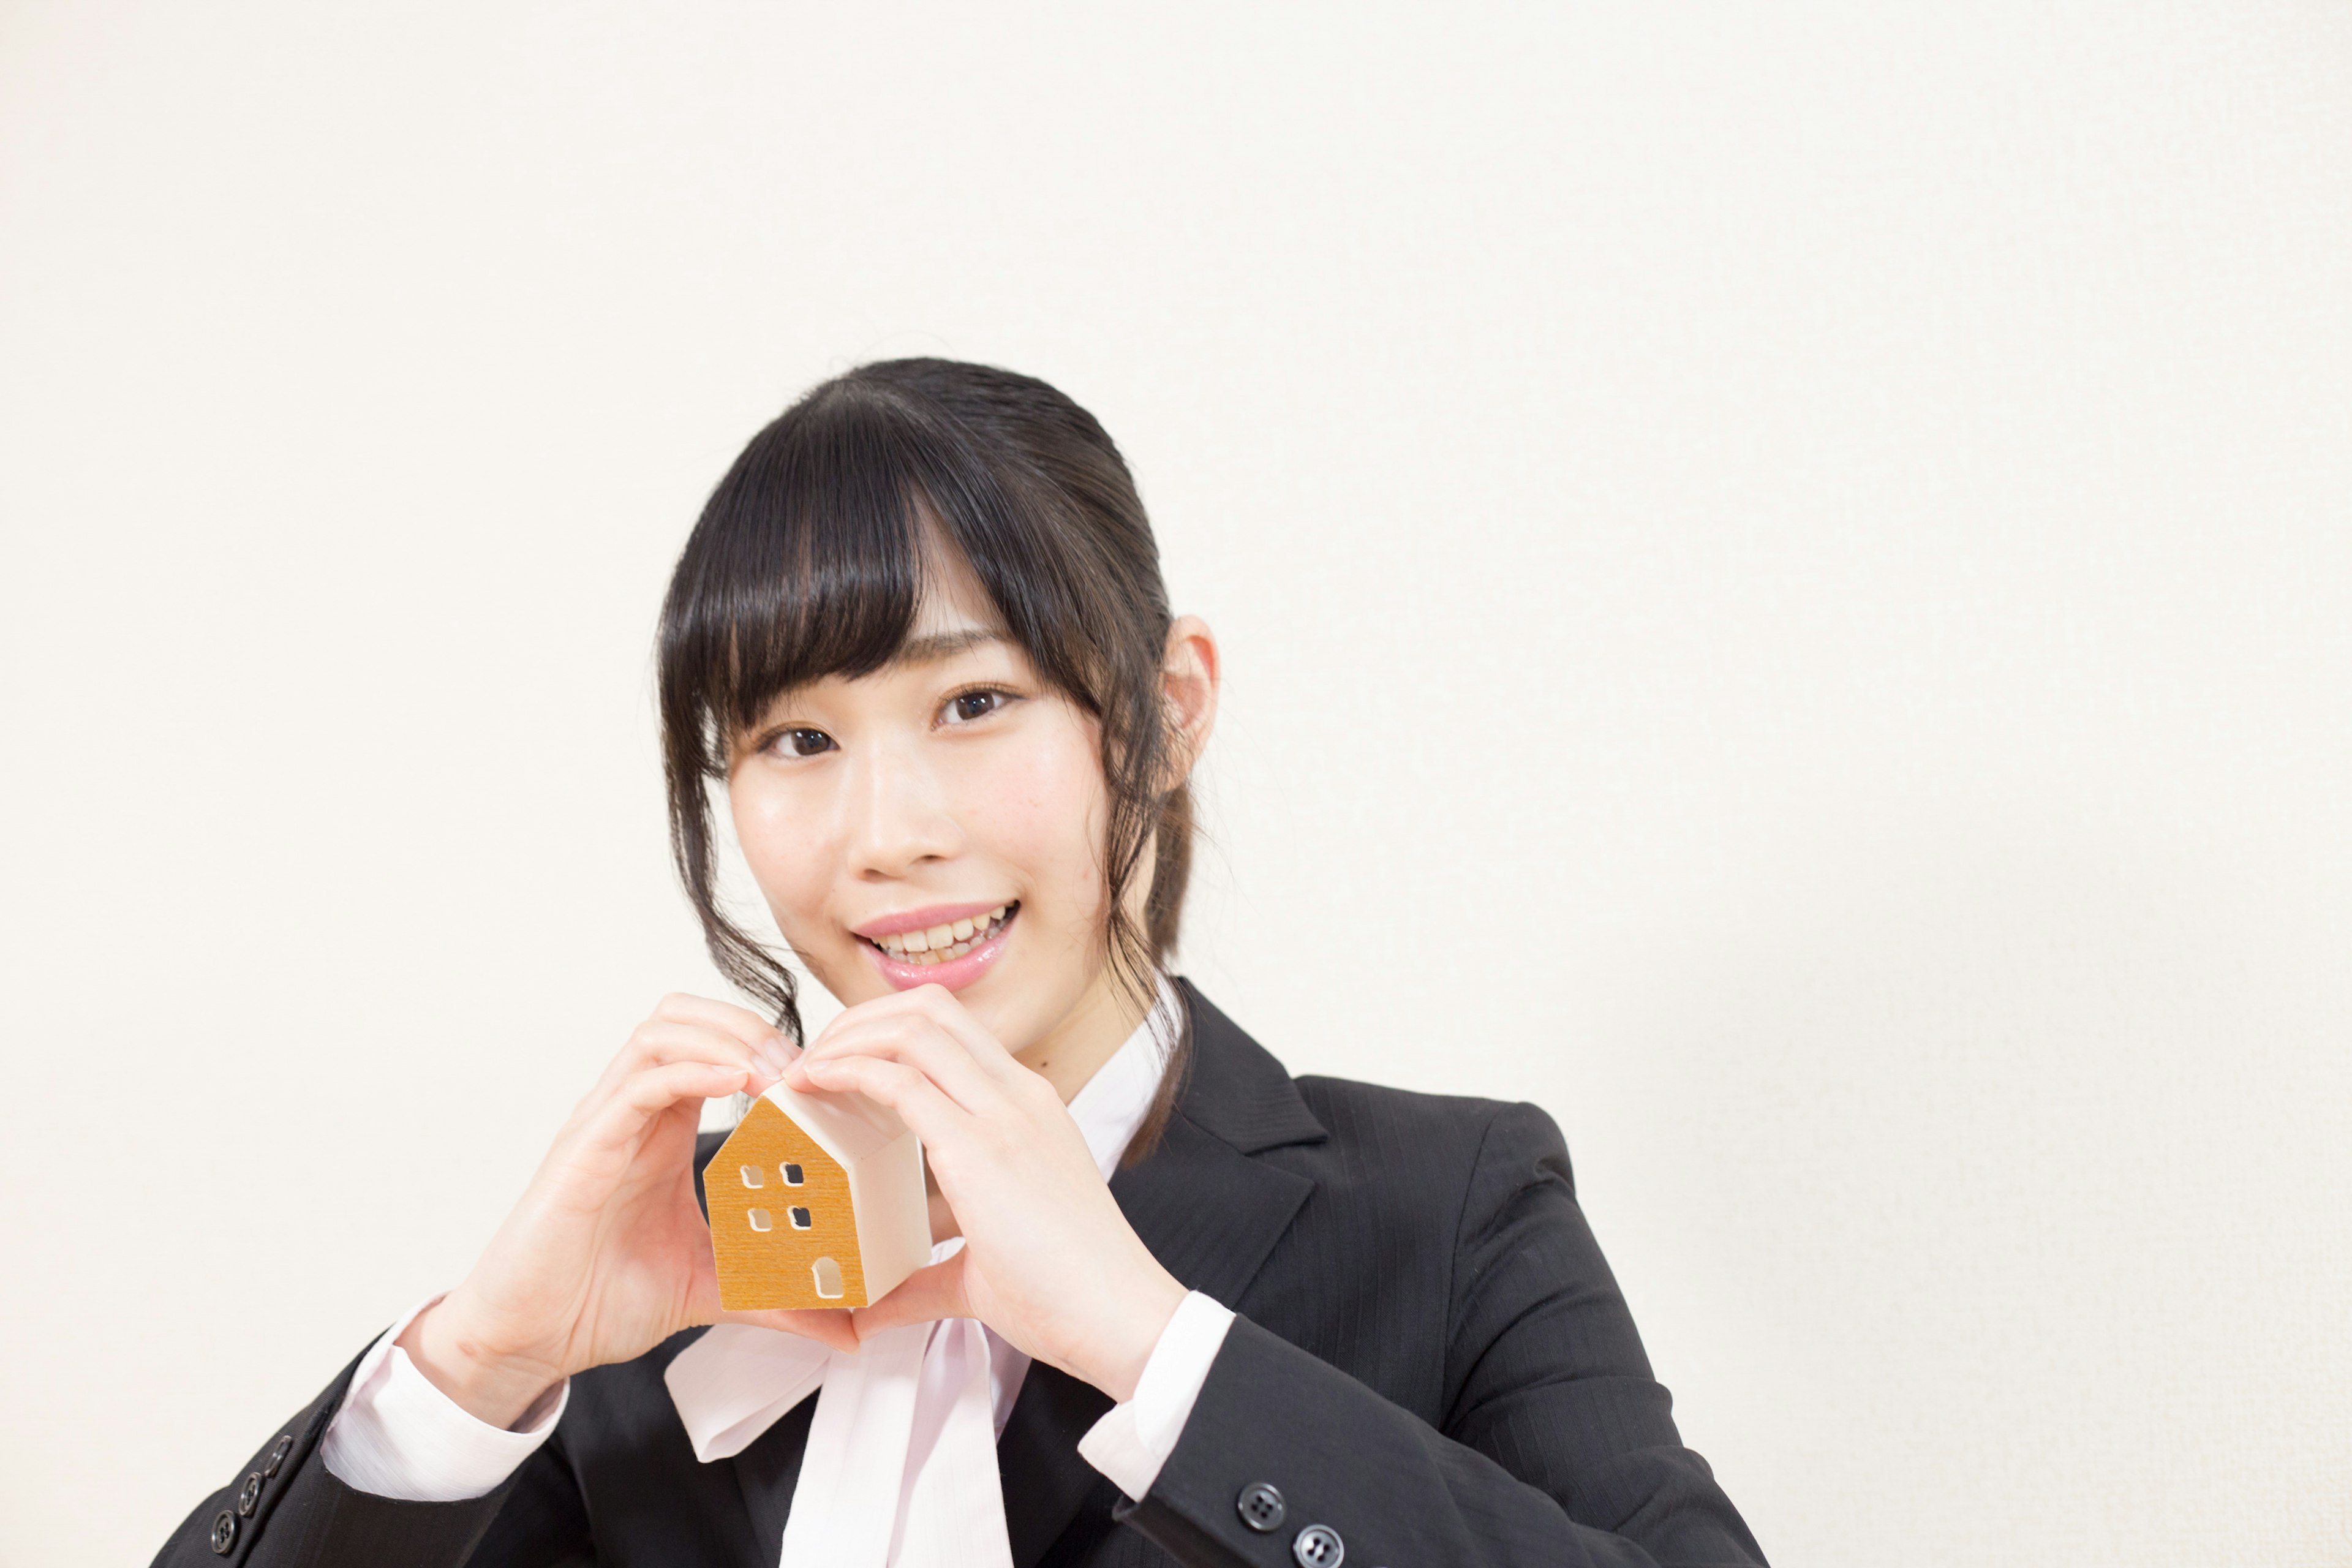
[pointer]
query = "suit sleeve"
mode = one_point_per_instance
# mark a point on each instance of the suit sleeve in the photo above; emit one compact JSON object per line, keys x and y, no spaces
{"x":286,"y":1509}
{"x":1557,"y":1447}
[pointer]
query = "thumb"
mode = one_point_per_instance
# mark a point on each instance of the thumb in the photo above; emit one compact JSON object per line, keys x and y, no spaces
{"x":928,"y":1293}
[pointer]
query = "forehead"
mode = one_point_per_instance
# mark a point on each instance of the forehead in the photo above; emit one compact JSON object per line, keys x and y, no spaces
{"x":949,"y":601}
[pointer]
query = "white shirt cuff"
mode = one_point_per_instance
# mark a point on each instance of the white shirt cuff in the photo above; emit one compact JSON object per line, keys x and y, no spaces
{"x":1134,"y":1440}
{"x":398,"y":1436}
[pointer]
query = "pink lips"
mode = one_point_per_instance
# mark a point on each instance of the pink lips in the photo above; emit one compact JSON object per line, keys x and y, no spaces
{"x":923,"y":919}
{"x":955,"y":973}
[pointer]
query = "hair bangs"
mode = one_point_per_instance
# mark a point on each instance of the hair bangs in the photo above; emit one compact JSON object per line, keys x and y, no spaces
{"x":809,"y":561}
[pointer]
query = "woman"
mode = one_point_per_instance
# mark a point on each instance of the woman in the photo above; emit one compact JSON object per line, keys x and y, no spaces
{"x":1181,"y":1306}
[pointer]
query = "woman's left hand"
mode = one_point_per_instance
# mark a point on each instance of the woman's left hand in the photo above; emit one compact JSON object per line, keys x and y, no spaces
{"x":1048,"y":1260}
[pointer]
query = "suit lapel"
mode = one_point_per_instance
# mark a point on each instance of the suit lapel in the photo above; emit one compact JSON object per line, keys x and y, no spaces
{"x":768,"y":1470}
{"x":1209,"y":1213}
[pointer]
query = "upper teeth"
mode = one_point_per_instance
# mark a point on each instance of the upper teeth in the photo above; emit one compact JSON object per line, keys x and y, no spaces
{"x":953,"y":940}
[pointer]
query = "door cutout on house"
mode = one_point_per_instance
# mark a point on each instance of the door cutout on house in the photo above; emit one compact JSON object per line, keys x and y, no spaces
{"x":828,"y":1279}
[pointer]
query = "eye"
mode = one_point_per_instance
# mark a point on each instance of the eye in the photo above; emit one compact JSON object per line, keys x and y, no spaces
{"x":801,"y":742}
{"x":966,"y":706}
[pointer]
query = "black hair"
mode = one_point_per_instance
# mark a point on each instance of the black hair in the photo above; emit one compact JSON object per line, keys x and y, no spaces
{"x":808,"y":561}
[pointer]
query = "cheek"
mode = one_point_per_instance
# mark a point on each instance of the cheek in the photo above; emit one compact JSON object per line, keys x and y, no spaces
{"x":787,"y":847}
{"x":1042,"y":809}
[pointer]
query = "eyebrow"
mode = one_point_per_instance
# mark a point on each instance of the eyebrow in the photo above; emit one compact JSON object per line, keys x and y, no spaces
{"x":941,"y":645}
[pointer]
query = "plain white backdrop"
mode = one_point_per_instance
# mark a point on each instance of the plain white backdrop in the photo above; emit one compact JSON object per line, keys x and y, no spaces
{"x":1785,"y":585}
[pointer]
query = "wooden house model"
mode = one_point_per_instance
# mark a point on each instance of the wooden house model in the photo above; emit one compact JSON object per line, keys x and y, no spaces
{"x":816,"y":1200}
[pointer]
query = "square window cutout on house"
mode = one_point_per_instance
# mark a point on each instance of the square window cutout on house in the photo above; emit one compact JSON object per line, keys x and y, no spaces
{"x":759,"y":1218}
{"x":801,"y":1220}
{"x":752,"y":1177}
{"x":792,"y":1176}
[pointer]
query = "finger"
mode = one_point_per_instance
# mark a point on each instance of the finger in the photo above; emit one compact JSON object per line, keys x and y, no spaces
{"x":827,"y":1325}
{"x":921,"y":1104}
{"x":659,"y":1041}
{"x":945,"y":1008}
{"x":682,"y":1007}
{"x":917,"y":1042}
{"x":621,"y":1121}
{"x":937,"y":1007}
{"x":925,"y":1296}
{"x":942,"y":1008}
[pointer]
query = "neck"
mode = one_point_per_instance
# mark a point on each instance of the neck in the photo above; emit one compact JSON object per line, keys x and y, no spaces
{"x":1074,"y":1050}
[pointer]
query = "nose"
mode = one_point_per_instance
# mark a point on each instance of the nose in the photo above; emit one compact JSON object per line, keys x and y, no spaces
{"x":900,"y":817}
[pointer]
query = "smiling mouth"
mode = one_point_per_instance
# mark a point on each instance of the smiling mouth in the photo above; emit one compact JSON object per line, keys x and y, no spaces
{"x":942,"y":942}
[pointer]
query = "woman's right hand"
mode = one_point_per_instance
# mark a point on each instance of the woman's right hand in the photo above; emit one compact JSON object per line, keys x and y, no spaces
{"x":607,"y":1254}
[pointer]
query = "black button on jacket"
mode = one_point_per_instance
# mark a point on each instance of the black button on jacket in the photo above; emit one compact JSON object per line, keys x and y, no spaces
{"x":1431,"y":1359}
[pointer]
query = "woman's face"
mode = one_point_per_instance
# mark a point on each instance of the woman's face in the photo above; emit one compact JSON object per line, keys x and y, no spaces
{"x":941,"y":821}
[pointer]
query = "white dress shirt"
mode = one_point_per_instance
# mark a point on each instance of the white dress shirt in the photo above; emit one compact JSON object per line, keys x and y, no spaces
{"x":396,"y":1435}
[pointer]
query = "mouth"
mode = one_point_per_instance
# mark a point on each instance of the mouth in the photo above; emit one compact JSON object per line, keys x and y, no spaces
{"x":947,"y":941}
{"x":952,"y":953}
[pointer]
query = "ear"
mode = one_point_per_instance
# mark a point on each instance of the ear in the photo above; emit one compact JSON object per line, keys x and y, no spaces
{"x":1188,"y":675}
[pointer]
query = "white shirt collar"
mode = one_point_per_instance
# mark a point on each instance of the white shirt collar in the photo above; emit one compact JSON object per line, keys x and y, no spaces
{"x":1114,"y":1102}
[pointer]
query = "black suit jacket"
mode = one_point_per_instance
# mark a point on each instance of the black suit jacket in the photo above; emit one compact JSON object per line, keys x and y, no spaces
{"x":1432,"y":1361}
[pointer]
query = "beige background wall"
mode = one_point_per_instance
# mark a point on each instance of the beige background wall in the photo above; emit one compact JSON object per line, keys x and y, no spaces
{"x":1785,"y":574}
